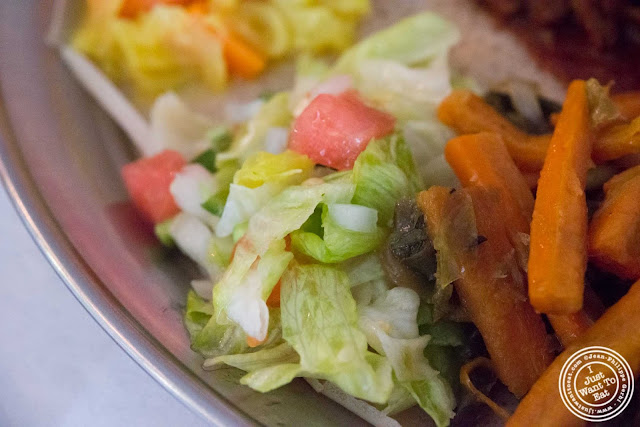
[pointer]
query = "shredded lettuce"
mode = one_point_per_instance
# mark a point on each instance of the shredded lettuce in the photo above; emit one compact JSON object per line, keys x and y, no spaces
{"x":262,"y":176}
{"x":163,"y":49}
{"x":413,"y":41}
{"x":390,"y":322}
{"x":192,"y":236}
{"x":282,"y":215}
{"x":282,"y":353}
{"x":197,"y":314}
{"x":320,"y":27}
{"x":319,"y":320}
{"x":395,"y":312}
{"x":174,"y":126}
{"x":273,"y":113}
{"x":246,"y":305}
{"x":363,"y":269}
{"x":384,"y":173}
{"x":337,"y":242}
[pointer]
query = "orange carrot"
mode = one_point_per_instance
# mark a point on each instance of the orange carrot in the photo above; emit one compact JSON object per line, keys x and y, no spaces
{"x":252,"y":342}
{"x":568,"y":327}
{"x":491,"y":289}
{"x":132,"y":8}
{"x":617,"y":141}
{"x":482,"y":159}
{"x":628,"y":104}
{"x":242,"y":60}
{"x":558,"y":250}
{"x":616,"y":181}
{"x":532,"y":179}
{"x":614,"y":232}
{"x":466,"y":113}
{"x":274,"y":298}
{"x":617,"y":329}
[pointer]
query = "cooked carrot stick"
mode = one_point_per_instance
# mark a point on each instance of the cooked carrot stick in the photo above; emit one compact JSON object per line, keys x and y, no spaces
{"x":242,"y":59}
{"x":617,"y":329}
{"x":616,"y":181}
{"x":558,"y":250}
{"x":592,"y":305}
{"x":614,"y":232}
{"x":617,"y":141}
{"x":490,"y":288}
{"x":628,"y":104}
{"x":531,"y":179}
{"x":568,"y":327}
{"x":482,"y":159}
{"x":467,"y":113}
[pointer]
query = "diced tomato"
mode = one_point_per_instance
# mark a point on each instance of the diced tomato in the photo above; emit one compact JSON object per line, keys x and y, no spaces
{"x":148,"y":180}
{"x":334,"y":129}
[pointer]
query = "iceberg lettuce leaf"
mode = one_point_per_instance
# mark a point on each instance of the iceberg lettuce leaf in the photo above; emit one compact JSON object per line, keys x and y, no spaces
{"x":281,"y":215}
{"x":384,"y":173}
{"x":413,"y":371}
{"x":339,"y":243}
{"x":320,"y":321}
{"x":412,"y":41}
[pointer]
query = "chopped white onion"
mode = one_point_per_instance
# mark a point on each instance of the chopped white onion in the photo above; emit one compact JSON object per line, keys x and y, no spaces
{"x":190,"y":188}
{"x":354,"y":217}
{"x":276,"y":140}
{"x":242,"y":112}
{"x":192,"y":236}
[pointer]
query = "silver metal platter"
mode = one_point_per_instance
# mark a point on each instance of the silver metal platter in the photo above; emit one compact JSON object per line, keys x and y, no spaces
{"x":60,"y":161}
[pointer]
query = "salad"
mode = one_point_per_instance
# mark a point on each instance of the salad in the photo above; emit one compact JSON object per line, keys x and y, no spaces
{"x":292,"y":217}
{"x":158,"y":45}
{"x":374,"y":230}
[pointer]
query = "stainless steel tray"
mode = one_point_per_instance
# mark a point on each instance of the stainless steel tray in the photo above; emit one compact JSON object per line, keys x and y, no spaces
{"x":60,"y":161}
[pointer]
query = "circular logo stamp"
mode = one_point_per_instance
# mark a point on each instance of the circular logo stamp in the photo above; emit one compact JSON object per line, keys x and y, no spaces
{"x":596,"y":384}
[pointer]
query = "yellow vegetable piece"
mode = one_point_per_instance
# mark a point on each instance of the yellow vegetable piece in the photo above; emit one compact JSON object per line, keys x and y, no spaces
{"x":288,"y":168}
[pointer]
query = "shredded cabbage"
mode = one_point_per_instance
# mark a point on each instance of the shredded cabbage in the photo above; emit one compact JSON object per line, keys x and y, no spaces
{"x":170,"y":46}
